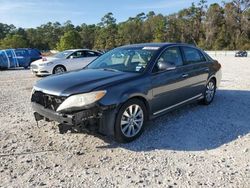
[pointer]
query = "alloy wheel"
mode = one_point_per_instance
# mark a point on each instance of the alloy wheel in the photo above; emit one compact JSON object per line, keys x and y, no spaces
{"x":132,"y":120}
{"x":210,"y":91}
{"x":59,"y":70}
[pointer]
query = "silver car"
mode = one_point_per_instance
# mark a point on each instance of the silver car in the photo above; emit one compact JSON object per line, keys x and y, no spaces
{"x":64,"y":61}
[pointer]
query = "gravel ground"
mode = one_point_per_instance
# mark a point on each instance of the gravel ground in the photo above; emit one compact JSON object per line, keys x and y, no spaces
{"x":196,"y":146}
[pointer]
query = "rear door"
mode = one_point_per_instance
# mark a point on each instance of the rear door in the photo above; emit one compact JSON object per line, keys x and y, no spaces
{"x":195,"y":70}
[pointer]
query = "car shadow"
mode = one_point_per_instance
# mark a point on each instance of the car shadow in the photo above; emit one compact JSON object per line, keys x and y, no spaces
{"x":14,"y":69}
{"x":195,"y":127}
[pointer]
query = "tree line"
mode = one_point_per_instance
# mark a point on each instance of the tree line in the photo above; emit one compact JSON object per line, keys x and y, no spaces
{"x":213,"y":27}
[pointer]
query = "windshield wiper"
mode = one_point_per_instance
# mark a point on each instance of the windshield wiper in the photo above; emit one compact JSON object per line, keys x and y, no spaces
{"x":109,"y":69}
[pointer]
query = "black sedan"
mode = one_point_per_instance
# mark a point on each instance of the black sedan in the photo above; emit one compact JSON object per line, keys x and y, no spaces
{"x":122,"y":89}
{"x":241,"y":54}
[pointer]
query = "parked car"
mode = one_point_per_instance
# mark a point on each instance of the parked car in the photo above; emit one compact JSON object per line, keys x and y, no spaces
{"x":20,"y":57}
{"x":241,"y":54}
{"x":127,"y":86}
{"x":64,"y":61}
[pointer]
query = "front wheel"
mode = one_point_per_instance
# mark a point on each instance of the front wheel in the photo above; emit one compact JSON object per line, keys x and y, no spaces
{"x":59,"y":69}
{"x":209,"y":92}
{"x":130,"y":121}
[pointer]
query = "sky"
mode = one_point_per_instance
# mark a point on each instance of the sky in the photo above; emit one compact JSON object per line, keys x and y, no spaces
{"x":33,"y":13}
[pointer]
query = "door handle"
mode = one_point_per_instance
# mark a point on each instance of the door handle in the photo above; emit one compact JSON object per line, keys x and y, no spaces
{"x":184,"y":75}
{"x":206,"y":69}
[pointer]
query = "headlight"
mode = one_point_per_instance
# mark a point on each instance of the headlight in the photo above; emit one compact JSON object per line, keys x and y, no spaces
{"x":45,"y":64}
{"x":80,"y":100}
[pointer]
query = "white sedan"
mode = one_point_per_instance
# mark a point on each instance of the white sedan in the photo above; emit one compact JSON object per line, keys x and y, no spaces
{"x":64,"y":61}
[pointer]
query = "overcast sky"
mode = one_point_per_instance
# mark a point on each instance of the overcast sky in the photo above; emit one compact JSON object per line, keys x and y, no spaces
{"x":32,"y":13}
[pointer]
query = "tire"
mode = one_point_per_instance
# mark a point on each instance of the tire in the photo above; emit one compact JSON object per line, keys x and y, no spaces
{"x":127,"y":127}
{"x":59,"y":69}
{"x":209,"y":92}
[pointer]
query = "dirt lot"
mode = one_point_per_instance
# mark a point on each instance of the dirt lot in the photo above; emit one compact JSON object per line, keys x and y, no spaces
{"x":196,"y":146}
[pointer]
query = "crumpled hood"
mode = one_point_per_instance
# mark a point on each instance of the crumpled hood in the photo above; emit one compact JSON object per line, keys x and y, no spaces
{"x":82,"y":81}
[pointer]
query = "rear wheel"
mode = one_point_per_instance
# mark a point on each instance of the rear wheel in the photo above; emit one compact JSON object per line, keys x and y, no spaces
{"x":130,"y":121}
{"x":209,"y":92}
{"x":59,"y":69}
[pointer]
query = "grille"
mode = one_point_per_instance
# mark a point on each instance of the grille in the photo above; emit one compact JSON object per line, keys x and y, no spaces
{"x":48,"y":101}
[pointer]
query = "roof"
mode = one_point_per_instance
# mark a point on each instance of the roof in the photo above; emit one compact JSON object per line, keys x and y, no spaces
{"x":154,"y":45}
{"x":76,"y":49}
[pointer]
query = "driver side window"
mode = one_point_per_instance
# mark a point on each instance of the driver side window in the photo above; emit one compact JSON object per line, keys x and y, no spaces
{"x":171,"y":57}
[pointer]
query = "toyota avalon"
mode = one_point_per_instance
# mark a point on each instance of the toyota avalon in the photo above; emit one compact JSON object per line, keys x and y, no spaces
{"x":122,"y":89}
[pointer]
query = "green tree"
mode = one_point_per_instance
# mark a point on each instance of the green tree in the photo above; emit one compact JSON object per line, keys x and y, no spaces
{"x":214,"y":27}
{"x":69,"y":40}
{"x":106,"y":33}
{"x":50,"y":34}
{"x":87,"y":33}
{"x":13,"y":41}
{"x":6,"y":29}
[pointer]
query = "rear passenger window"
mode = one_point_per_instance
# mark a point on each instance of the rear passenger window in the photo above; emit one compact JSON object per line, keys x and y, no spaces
{"x":193,"y":55}
{"x":90,"y":54}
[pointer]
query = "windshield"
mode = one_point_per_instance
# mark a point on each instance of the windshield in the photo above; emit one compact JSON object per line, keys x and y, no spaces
{"x":124,"y":59}
{"x":63,"y":55}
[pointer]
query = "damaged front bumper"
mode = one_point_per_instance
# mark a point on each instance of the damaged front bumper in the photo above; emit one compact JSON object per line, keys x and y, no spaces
{"x":42,"y":113}
{"x":104,"y":117}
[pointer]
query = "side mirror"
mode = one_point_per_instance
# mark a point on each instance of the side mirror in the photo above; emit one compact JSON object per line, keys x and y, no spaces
{"x":163,"y":66}
{"x":71,"y":57}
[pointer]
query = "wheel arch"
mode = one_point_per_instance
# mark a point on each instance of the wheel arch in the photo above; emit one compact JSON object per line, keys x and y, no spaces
{"x":59,"y":65}
{"x":214,"y":78}
{"x":138,"y":97}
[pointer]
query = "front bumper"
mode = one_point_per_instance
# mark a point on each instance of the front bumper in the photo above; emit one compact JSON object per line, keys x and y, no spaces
{"x":73,"y":119}
{"x":42,"y":71}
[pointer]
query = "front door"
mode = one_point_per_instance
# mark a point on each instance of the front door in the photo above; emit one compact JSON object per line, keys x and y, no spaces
{"x":169,"y":87}
{"x":74,"y":62}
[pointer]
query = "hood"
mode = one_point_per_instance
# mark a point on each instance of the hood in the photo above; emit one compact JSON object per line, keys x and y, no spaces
{"x":44,"y":60}
{"x":82,"y":81}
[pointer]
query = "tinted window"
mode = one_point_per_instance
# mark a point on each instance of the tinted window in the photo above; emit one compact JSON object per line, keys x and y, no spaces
{"x":171,"y":56}
{"x":90,"y":54}
{"x":193,"y":55}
